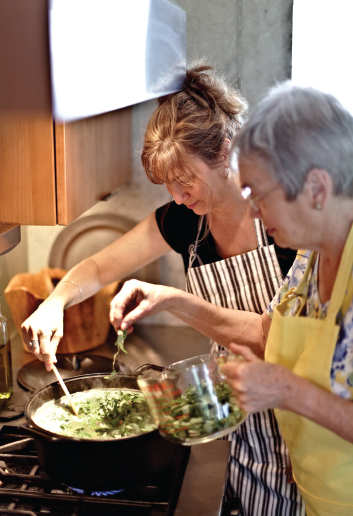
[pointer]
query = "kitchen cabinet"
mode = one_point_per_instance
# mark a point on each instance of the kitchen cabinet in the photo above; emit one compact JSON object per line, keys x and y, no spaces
{"x":50,"y":173}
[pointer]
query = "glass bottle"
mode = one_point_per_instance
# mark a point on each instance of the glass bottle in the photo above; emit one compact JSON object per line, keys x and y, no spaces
{"x":6,"y":383}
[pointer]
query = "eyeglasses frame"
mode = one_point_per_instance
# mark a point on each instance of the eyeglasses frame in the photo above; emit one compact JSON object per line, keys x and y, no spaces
{"x":254,"y":199}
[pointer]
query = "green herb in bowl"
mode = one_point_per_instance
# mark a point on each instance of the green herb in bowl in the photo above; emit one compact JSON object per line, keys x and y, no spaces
{"x":198,"y":416}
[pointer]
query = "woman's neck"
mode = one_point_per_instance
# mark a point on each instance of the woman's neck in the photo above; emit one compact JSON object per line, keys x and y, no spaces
{"x":232,"y":228}
{"x":334,"y":230}
{"x":231,"y":209}
{"x":334,"y":235}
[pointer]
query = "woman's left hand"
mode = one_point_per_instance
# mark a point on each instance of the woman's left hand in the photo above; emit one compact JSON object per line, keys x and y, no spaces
{"x":257,"y":385}
{"x":136,"y":300}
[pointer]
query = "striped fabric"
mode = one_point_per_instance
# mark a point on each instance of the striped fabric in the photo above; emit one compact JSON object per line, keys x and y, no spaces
{"x":259,"y":456}
{"x":248,"y":283}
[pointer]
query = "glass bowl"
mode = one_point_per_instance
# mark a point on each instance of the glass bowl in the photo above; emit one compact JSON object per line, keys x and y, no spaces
{"x":190,"y":402}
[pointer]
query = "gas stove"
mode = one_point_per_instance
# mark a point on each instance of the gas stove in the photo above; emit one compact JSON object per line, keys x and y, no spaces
{"x":26,"y":489}
{"x":193,"y":485}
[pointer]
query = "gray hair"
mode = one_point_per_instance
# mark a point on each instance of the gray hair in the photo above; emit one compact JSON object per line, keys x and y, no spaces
{"x":295,"y":129}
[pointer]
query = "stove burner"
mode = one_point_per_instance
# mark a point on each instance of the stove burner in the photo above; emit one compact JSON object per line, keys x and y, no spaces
{"x":96,"y":493}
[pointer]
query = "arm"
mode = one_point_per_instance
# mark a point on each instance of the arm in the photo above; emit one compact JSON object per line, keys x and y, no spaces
{"x":135,"y":249}
{"x":138,"y":299}
{"x":259,"y":385}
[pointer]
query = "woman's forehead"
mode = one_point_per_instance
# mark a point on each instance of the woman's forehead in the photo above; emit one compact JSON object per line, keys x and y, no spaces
{"x":180,"y":176}
{"x":189,"y":172}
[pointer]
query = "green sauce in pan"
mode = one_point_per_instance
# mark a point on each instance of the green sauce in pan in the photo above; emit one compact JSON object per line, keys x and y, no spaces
{"x":103,"y":414}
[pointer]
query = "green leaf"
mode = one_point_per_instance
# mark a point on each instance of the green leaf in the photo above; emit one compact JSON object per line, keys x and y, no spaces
{"x":112,"y":374}
{"x":120,"y":345}
{"x":120,"y":340}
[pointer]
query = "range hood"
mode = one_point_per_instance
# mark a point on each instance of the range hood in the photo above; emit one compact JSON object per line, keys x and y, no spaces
{"x":80,"y":58}
{"x":109,"y":54}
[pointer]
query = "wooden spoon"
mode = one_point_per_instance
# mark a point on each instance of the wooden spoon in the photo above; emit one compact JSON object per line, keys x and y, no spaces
{"x":57,"y":374}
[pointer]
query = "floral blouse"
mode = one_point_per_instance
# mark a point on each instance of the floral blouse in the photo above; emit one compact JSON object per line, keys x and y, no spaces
{"x":342,"y":364}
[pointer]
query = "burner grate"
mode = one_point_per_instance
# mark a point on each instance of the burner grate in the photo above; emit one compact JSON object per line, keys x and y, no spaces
{"x":26,"y":489}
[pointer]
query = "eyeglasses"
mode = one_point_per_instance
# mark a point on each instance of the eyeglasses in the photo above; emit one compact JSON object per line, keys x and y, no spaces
{"x":254,"y":199}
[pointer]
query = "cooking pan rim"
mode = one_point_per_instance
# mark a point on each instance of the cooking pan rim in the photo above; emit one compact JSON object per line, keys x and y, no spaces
{"x":31,"y":423}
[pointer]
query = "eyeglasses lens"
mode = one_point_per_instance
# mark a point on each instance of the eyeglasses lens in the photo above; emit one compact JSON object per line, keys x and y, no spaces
{"x":247,"y":195}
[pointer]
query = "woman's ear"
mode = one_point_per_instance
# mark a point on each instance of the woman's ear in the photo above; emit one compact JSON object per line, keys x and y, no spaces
{"x":225,"y":148}
{"x":319,"y":186}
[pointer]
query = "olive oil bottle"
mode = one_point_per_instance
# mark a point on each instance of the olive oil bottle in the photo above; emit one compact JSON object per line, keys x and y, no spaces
{"x":6,"y":383}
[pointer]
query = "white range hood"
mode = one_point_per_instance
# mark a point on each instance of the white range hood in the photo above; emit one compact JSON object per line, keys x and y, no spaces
{"x":109,"y":54}
{"x":80,"y":58}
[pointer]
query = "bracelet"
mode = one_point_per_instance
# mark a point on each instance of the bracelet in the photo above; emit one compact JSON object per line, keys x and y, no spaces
{"x":78,"y":286}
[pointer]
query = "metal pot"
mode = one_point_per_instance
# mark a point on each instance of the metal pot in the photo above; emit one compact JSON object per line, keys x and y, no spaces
{"x":93,"y":464}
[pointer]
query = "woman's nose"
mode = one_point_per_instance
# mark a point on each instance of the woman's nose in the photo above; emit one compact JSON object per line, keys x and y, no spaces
{"x":180,"y":197}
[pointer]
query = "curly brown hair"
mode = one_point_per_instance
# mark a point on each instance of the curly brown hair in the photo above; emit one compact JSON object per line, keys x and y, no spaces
{"x":191,"y":123}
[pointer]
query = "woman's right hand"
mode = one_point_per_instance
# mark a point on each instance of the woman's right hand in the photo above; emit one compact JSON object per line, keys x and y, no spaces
{"x":137,"y":300}
{"x":45,"y":326}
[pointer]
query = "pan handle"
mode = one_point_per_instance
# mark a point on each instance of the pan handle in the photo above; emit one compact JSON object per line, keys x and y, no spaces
{"x":144,"y":367}
{"x":36,"y":432}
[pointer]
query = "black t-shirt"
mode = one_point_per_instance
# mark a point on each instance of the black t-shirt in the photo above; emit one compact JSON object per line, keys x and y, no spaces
{"x":179,"y":227}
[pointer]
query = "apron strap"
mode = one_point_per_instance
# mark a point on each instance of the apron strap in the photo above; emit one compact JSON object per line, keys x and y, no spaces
{"x":300,"y":291}
{"x":342,"y":291}
{"x":261,"y":235}
{"x":302,"y":288}
{"x":193,"y":247}
{"x":339,"y":297}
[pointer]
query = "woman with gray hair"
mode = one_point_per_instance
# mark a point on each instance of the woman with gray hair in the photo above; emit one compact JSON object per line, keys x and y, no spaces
{"x":295,"y":162}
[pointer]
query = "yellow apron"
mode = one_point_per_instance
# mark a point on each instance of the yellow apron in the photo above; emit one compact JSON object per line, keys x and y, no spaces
{"x":322,"y":462}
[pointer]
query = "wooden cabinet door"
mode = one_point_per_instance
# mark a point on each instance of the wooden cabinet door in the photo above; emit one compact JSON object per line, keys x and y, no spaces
{"x":49,"y":173}
{"x":46,"y":184}
{"x":93,"y":158}
{"x":27,"y":175}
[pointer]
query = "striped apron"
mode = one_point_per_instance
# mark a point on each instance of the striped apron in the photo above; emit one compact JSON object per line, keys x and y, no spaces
{"x":258,"y":455}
